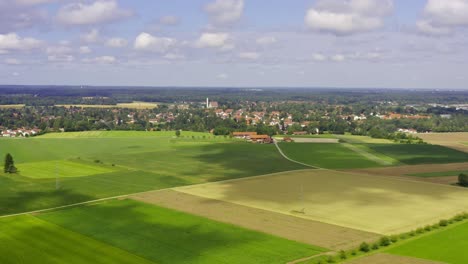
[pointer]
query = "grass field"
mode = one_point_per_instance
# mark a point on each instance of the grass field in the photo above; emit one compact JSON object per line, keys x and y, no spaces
{"x":330,"y":156}
{"x":447,"y":246}
{"x":412,"y":154}
{"x":167,"y":236}
{"x":120,"y":134}
{"x":27,"y":239}
{"x":134,"y":105}
{"x":439,"y":174}
{"x":62,"y":168}
{"x":141,"y":164}
{"x":381,"y":205}
{"x":15,"y":106}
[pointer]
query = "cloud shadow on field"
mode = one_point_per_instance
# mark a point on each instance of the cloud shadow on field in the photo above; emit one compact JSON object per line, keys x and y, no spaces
{"x":161,"y":235}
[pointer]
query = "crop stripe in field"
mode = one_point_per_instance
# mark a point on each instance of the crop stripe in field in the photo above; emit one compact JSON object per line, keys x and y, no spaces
{"x":295,"y":161}
{"x":366,"y":154}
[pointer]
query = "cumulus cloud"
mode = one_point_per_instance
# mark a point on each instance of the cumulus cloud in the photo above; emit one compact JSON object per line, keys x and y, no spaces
{"x":13,"y":42}
{"x":148,"y":42}
{"x":91,"y":37}
{"x":338,"y":58}
{"x":85,"y":50}
{"x":12,"y":61}
{"x":348,"y":16}
{"x":223,"y":12}
{"x":319,"y":57}
{"x":266,"y":40}
{"x":174,"y":56}
{"x":213,"y":40}
{"x":101,"y":60}
{"x":16,"y":15}
{"x":60,"y":58}
{"x":59,"y":50}
{"x":116,"y":42}
{"x":168,"y":20}
{"x":249,"y":55}
{"x":441,"y":17}
{"x":101,"y":11}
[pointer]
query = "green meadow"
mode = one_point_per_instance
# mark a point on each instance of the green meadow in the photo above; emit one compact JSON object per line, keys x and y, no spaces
{"x":324,"y":155}
{"x":27,"y":239}
{"x":167,"y":236}
{"x":447,"y":245}
{"x":89,"y":168}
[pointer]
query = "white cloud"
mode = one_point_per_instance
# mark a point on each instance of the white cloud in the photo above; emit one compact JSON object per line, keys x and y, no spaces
{"x":347,"y":16}
{"x":147,"y":42}
{"x":249,"y":55}
{"x":338,"y":58}
{"x":91,"y":37}
{"x":441,"y":17}
{"x":224,"y":12}
{"x":12,"y":42}
{"x":59,"y":50}
{"x":266,"y":40}
{"x":101,"y":60}
{"x":447,"y":12}
{"x":116,"y":42}
{"x":85,"y":50}
{"x":213,"y":40}
{"x":319,"y":57}
{"x":12,"y":61}
{"x":101,"y":11}
{"x":426,"y":27}
{"x":174,"y":56}
{"x":33,"y":2}
{"x":169,"y":20}
{"x":16,"y":15}
{"x":60,"y":58}
{"x":222,"y":76}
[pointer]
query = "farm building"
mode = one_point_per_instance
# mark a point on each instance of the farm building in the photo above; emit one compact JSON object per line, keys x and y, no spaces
{"x":261,"y":139}
{"x":244,"y":135}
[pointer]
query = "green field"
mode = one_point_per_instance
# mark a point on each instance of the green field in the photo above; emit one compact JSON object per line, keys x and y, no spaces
{"x":141,"y":164}
{"x":323,"y":155}
{"x":62,"y":168}
{"x":118,"y":134}
{"x":447,"y":246}
{"x":27,"y":239}
{"x":413,"y":154}
{"x":438,"y":174}
{"x":168,"y":236}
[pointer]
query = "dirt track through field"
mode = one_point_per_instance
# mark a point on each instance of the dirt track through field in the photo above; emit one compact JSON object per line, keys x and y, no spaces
{"x":382,"y":258}
{"x":290,"y":227}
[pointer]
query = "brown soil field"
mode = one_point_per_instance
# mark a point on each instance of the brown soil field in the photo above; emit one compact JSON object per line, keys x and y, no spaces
{"x":298,"y":229}
{"x":382,"y":258}
{"x":456,"y":141}
{"x":375,"y":204}
{"x":402,"y":171}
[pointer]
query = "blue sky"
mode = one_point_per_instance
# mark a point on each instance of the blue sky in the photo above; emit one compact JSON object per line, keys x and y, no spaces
{"x":244,"y":43}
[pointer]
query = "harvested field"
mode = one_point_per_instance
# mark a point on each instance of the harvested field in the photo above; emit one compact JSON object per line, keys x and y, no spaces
{"x":290,"y":227}
{"x":405,"y":171}
{"x":451,"y":140}
{"x":382,"y":205}
{"x":382,"y":258}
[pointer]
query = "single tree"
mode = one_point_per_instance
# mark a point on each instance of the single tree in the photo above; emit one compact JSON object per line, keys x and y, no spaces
{"x":9,"y":166}
{"x":463,"y":180}
{"x":177,"y":133}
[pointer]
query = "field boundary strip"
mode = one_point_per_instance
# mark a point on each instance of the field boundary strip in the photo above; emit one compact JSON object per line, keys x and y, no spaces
{"x":295,"y":161}
{"x":367,"y":155}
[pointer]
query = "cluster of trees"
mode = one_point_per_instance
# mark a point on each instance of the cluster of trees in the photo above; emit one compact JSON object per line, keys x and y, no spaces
{"x":9,"y":166}
{"x":463,"y":180}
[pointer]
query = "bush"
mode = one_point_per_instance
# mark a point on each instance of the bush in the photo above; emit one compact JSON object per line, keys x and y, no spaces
{"x":353,"y":253}
{"x":97,"y":161}
{"x":343,"y":254}
{"x":364,"y":247}
{"x":375,"y":246}
{"x":463,"y":180}
{"x":384,"y":241}
{"x":420,"y":230}
{"x":428,"y":228}
{"x":330,"y":259}
{"x":443,"y":223}
{"x":394,"y":238}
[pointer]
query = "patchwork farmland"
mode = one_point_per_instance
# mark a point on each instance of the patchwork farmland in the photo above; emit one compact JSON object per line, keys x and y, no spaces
{"x":152,"y":197}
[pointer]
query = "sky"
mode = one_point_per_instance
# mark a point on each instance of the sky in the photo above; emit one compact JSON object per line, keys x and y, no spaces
{"x":236,"y":43}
